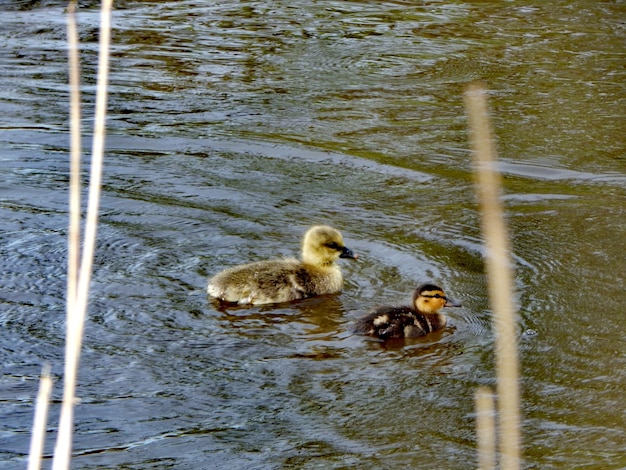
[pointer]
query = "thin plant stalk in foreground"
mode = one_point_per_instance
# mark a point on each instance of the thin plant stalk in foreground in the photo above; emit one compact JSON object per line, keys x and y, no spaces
{"x":77,"y":304}
{"x":485,"y":428}
{"x":41,"y":418}
{"x":41,"y":408}
{"x":499,"y":275}
{"x":75,"y":156}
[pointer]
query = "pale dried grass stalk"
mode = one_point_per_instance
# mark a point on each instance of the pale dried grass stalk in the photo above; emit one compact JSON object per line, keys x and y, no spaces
{"x":41,"y":418}
{"x":77,"y":305}
{"x":485,"y":428}
{"x":499,"y":274}
{"x":75,"y":156}
{"x":45,"y":386}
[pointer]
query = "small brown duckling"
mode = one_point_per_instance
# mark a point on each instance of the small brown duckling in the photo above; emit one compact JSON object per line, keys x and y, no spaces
{"x":288,"y":279}
{"x":423,"y":317}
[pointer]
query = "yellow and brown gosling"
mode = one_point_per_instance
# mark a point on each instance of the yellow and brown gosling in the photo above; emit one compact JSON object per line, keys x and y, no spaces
{"x":284,"y":280}
{"x":423,"y":317}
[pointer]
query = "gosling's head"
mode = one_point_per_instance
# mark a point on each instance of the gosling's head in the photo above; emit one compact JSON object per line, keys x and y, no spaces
{"x":429,"y":298}
{"x":323,"y":245}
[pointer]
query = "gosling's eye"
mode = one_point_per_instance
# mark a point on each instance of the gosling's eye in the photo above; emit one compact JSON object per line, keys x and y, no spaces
{"x":333,"y":246}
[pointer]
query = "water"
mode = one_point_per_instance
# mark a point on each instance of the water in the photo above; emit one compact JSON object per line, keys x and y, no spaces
{"x":235,"y":126}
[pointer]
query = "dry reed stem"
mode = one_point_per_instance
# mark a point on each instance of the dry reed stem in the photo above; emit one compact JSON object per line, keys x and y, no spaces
{"x":485,"y":428}
{"x":75,"y":155}
{"x":499,"y":274}
{"x":41,"y":418}
{"x":77,"y":306}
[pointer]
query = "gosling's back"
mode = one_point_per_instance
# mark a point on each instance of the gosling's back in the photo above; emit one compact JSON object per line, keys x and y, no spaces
{"x":274,"y":281}
{"x":289,"y":279}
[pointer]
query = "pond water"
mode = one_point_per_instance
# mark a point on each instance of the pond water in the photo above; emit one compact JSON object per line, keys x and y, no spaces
{"x":233,"y":127}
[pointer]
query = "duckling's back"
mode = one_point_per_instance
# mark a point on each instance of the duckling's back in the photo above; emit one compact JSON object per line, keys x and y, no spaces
{"x":398,"y":322}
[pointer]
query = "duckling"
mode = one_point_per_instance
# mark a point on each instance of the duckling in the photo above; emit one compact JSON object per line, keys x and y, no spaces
{"x":284,"y":280}
{"x":423,"y":317}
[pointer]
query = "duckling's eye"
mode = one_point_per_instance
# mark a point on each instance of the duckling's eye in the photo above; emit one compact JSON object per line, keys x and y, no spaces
{"x":333,"y":246}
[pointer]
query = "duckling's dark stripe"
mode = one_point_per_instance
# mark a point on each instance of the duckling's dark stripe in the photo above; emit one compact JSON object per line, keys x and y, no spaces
{"x":435,"y":296}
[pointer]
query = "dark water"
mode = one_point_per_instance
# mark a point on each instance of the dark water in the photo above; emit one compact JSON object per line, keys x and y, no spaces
{"x":235,"y":126}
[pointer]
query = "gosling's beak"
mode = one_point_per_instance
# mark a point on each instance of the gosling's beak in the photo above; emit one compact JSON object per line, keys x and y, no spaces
{"x":452,"y":303}
{"x":347,"y":253}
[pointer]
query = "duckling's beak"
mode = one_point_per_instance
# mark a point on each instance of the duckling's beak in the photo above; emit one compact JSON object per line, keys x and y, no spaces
{"x":347,"y":253}
{"x":452,"y":303}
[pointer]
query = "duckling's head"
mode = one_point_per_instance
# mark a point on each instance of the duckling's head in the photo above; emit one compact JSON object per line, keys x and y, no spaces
{"x":323,"y":245}
{"x":429,"y":298}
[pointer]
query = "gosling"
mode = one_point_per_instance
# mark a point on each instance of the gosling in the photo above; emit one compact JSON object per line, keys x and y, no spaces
{"x":284,"y":280}
{"x":389,"y":321}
